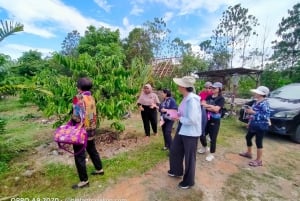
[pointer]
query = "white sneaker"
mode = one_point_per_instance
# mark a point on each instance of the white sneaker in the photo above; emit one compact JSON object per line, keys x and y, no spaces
{"x":203,"y":150}
{"x":209,"y":157}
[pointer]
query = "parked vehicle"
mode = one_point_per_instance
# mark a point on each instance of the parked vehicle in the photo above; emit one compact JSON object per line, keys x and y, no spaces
{"x":285,"y":111}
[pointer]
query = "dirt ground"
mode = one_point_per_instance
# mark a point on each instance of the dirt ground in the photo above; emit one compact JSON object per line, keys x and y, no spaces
{"x":211,"y":177}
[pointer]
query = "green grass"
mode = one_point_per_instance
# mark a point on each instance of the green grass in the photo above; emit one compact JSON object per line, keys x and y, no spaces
{"x":56,"y":179}
{"x":22,"y":131}
{"x":249,"y":184}
{"x":230,"y":129}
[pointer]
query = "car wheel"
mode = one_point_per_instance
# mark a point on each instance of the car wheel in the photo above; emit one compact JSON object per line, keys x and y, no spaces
{"x":296,"y":135}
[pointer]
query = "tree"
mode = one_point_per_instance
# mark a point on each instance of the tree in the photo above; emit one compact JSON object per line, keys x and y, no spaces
{"x":9,"y":28}
{"x":29,"y":64}
{"x":70,"y":43}
{"x":191,"y":64}
{"x":101,"y":58}
{"x":234,"y":31}
{"x":138,"y":45}
{"x":159,"y":36}
{"x":101,"y":43}
{"x":178,"y":48}
{"x":287,"y":50}
{"x":217,"y":56}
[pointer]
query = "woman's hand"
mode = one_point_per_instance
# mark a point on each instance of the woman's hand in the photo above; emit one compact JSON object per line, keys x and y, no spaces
{"x":141,"y":108}
{"x":163,"y":110}
{"x":249,"y":111}
{"x":153,"y":105}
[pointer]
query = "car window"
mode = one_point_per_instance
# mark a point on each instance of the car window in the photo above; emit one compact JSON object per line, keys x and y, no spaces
{"x":287,"y":92}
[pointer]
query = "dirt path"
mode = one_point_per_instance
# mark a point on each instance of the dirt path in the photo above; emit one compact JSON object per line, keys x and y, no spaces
{"x":211,"y":177}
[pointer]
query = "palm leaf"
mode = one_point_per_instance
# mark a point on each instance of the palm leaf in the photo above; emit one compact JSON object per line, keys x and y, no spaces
{"x":9,"y":28}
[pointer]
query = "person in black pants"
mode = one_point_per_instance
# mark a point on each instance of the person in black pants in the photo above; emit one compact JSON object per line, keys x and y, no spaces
{"x":148,"y":104}
{"x":84,"y":111}
{"x":184,"y":146}
{"x":166,"y":121}
{"x":214,"y":104}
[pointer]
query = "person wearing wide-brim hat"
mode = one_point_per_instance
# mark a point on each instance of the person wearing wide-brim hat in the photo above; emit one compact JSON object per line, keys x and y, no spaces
{"x":258,"y":124}
{"x":184,"y":145}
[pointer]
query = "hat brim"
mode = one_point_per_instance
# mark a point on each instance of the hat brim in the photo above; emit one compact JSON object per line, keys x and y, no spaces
{"x":181,"y":83}
{"x":257,"y":92}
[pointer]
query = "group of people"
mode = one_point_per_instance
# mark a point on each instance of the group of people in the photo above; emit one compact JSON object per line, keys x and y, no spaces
{"x":198,"y":116}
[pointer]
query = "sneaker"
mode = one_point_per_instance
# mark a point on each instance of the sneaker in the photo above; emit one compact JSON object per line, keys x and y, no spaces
{"x":183,"y":186}
{"x":164,"y":148}
{"x":98,"y":172}
{"x":203,"y":150}
{"x":81,"y":184}
{"x":173,"y":175}
{"x":210,"y":157}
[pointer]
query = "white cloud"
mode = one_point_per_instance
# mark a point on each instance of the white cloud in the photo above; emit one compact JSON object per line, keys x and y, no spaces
{"x":53,"y":14}
{"x":103,"y":4}
{"x":168,"y":16}
{"x":15,"y":50}
{"x":127,"y":28}
{"x":136,"y":10}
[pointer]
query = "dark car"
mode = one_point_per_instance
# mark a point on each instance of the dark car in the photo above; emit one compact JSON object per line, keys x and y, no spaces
{"x":285,"y":111}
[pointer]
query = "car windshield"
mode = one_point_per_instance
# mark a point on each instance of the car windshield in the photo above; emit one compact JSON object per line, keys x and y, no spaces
{"x":287,"y":92}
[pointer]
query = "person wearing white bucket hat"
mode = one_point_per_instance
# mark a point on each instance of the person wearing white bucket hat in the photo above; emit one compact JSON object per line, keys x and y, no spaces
{"x":258,"y":125}
{"x":184,"y":145}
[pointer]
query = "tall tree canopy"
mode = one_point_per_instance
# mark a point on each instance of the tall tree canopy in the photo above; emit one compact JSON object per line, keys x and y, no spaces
{"x":138,"y":45}
{"x":70,"y":43}
{"x":100,"y":57}
{"x":287,"y":49}
{"x":234,"y":31}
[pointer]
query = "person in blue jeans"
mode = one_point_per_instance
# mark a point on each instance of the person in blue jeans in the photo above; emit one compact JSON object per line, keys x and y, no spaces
{"x":168,"y":103}
{"x":184,"y":145}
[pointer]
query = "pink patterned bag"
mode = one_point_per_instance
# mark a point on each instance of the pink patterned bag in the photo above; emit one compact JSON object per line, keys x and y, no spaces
{"x":68,"y":134}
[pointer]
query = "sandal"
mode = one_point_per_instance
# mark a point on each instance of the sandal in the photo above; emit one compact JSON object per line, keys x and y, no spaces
{"x":246,"y":155}
{"x":255,"y":163}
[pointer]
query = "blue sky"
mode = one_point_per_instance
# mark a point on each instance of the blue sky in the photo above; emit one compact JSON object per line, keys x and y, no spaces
{"x":47,"y":22}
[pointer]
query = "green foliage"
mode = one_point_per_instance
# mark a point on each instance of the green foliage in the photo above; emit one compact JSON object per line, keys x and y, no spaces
{"x":9,"y":28}
{"x":29,"y":64}
{"x":245,"y":84}
{"x":191,"y":64}
{"x":287,"y":50}
{"x":70,"y":44}
{"x":159,"y":36}
{"x":101,"y":43}
{"x":273,"y":78}
{"x":101,"y":59}
{"x":234,"y":31}
{"x":138,"y":45}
